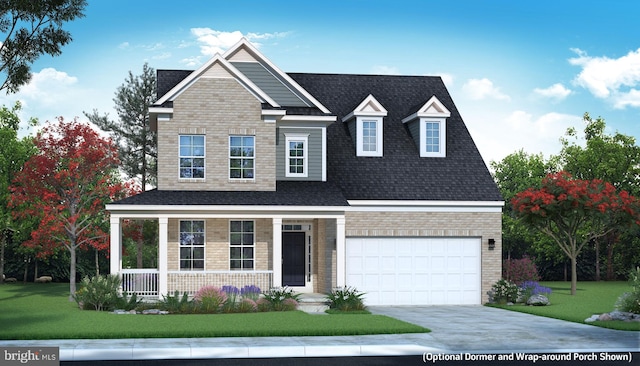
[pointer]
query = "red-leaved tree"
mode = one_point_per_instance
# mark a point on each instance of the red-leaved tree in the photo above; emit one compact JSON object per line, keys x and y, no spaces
{"x":66,"y":185}
{"x":573,"y":212}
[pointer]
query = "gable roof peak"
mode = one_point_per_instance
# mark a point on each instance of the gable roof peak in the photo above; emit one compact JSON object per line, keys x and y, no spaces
{"x":432,"y":108}
{"x":368,"y":107}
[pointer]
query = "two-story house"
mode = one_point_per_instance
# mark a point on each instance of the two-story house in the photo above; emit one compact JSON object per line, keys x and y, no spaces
{"x":314,"y":181}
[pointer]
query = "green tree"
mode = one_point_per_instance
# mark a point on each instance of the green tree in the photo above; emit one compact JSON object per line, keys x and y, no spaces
{"x":136,"y":140}
{"x":31,"y":29}
{"x":513,"y":174}
{"x":612,"y":158}
{"x":13,"y":153}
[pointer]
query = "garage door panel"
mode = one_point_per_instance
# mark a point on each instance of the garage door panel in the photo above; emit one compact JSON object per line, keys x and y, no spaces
{"x":413,"y":271}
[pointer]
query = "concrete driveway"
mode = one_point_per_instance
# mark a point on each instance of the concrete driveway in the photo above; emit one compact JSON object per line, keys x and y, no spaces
{"x":483,"y":329}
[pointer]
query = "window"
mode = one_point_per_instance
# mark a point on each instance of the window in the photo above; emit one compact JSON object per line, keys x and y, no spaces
{"x":296,"y":155}
{"x":192,"y":245}
{"x":191,"y":156}
{"x":432,"y":137}
{"x":369,"y":136}
{"x":241,"y":157}
{"x":241,"y":243}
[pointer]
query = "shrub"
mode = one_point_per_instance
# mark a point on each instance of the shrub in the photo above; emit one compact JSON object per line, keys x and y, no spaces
{"x":630,"y":301}
{"x":263,"y":304}
{"x":247,"y":306}
{"x":279,"y":299}
{"x":210,"y":299}
{"x":530,"y":288}
{"x":504,"y":291}
{"x":346,"y":299}
{"x":520,"y":270}
{"x":98,"y":293}
{"x":232,"y":293}
{"x":176,"y":303}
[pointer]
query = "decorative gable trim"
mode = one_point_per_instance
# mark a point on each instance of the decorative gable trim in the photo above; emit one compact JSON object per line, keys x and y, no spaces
{"x":245,"y":45}
{"x":432,"y":108}
{"x":215,"y":67}
{"x":369,"y":107}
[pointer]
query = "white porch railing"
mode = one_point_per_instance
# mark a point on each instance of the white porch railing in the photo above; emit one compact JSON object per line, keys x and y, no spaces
{"x":142,"y":282}
{"x":190,"y":282}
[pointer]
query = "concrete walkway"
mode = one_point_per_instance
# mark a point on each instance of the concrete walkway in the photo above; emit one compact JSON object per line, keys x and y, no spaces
{"x":482,"y":329}
{"x":455,"y":329}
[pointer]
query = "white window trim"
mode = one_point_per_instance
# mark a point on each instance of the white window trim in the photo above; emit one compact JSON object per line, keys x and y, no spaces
{"x":204,"y":156}
{"x":297,"y":137}
{"x":253,"y":245}
{"x":359,"y":136}
{"x":229,"y":157}
{"x":442,"y":138}
{"x":204,"y":247}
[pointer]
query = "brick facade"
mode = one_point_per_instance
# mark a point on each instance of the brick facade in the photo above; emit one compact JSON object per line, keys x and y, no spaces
{"x":216,"y":108}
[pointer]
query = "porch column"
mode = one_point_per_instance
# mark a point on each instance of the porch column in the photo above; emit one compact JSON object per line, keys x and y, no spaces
{"x":341,"y":267}
{"x":163,"y":259}
{"x":115,"y":245}
{"x":277,"y":252}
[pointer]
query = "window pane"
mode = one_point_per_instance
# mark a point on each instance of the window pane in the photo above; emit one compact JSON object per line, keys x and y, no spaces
{"x":235,"y":238}
{"x":185,"y":226}
{"x":185,"y":253}
{"x":185,"y":140}
{"x":247,"y":141}
{"x":185,"y":162}
{"x":198,"y":253}
{"x":248,"y":264}
{"x":248,"y":173}
{"x":247,"y":253}
{"x":235,"y":264}
{"x":247,"y":238}
{"x":235,"y":173}
{"x":198,"y":173}
{"x":198,"y":264}
{"x":247,"y":226}
{"x":235,"y":141}
{"x":185,"y":264}
{"x":198,"y":239}
{"x":198,"y":141}
{"x":236,"y":226}
{"x":236,"y":253}
{"x":197,"y":226}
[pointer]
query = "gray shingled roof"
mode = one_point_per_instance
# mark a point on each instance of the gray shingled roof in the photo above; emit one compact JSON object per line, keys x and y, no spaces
{"x":401,"y":174}
{"x":286,"y":194}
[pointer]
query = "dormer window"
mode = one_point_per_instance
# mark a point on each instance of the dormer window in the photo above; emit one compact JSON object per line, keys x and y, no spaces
{"x":296,"y":155}
{"x":428,"y":127}
{"x":366,"y":126}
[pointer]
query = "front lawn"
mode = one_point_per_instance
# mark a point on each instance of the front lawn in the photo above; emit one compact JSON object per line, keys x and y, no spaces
{"x":42,"y":311}
{"x":590,"y":298}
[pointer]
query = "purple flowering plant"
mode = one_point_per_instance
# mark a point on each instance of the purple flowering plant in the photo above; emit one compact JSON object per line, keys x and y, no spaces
{"x":531,"y":288}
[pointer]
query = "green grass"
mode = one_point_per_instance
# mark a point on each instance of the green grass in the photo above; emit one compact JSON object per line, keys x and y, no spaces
{"x":590,"y":298}
{"x":43,"y":311}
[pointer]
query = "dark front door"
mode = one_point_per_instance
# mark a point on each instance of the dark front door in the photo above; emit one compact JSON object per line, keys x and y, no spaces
{"x":293,"y":259}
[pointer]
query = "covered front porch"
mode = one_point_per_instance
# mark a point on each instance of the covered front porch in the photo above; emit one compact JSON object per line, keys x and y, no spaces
{"x":299,"y":247}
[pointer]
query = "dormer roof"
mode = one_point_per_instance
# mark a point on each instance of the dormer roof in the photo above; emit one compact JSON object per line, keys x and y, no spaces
{"x":369,"y":107}
{"x":432,"y":108}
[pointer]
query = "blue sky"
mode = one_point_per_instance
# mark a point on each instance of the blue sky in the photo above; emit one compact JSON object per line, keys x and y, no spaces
{"x":520,"y":72}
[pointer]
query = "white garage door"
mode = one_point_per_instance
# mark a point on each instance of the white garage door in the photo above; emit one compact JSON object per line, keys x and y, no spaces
{"x":415,"y":271}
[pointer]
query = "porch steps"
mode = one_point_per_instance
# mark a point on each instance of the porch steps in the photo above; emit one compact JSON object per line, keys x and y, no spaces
{"x":313,"y":303}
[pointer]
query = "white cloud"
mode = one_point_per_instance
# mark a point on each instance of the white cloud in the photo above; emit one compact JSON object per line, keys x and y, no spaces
{"x":191,"y":61}
{"x":498,"y":133}
{"x":123,"y":45}
{"x":612,"y":79}
{"x":213,"y":41}
{"x":162,"y":56}
{"x":478,"y":89}
{"x":555,"y":91}
{"x":49,"y":86}
{"x":446,"y":78}
{"x":385,"y":70}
